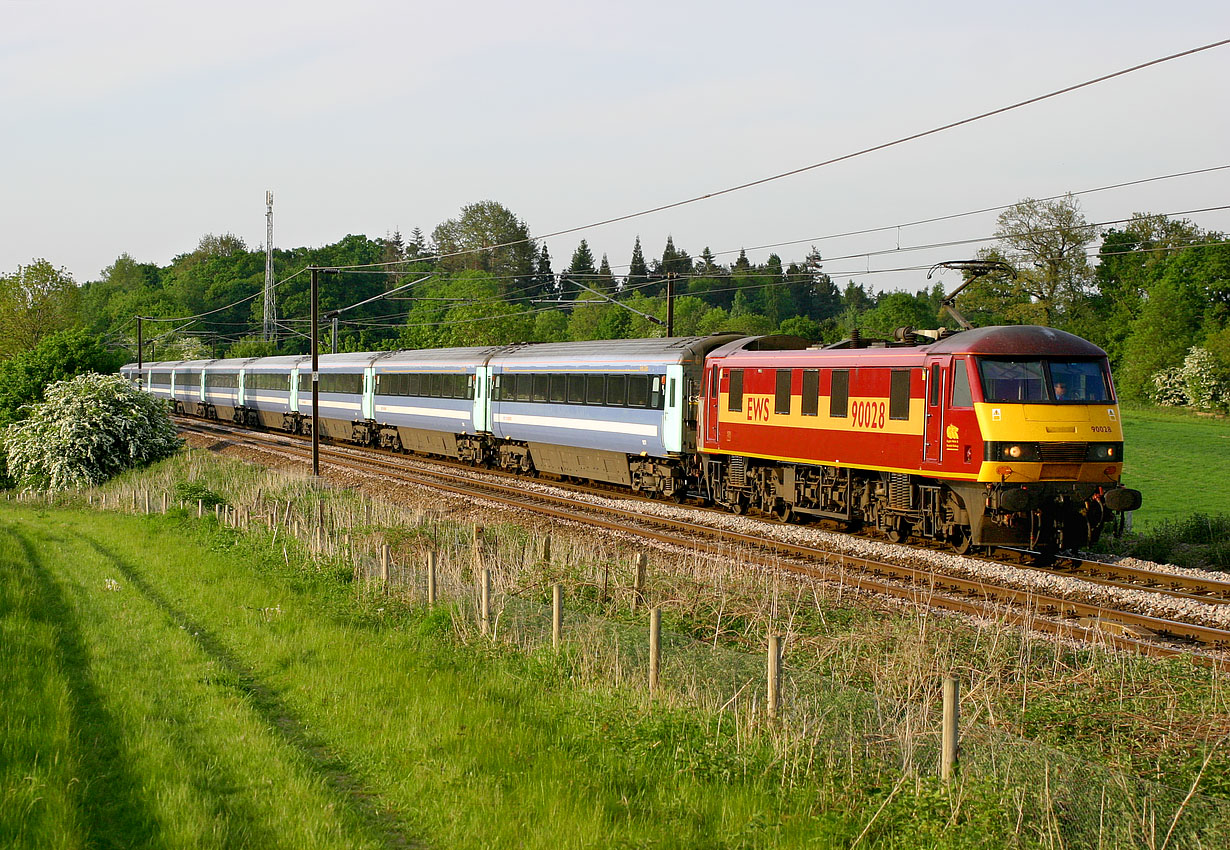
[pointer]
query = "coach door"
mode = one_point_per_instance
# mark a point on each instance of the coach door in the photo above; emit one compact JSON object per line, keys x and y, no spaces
{"x":937,"y":381}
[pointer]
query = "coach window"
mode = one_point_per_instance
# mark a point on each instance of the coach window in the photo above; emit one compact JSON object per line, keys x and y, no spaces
{"x":576,"y":389}
{"x":638,"y":390}
{"x":734,"y":392}
{"x":559,"y":388}
{"x":899,"y":394}
{"x":655,"y":392}
{"x":524,"y":386}
{"x":811,"y":393}
{"x":934,"y":389}
{"x":595,"y":389}
{"x":961,"y":395}
{"x":781,"y":396}
{"x":839,"y":393}
{"x":616,"y":390}
{"x":541,"y":383}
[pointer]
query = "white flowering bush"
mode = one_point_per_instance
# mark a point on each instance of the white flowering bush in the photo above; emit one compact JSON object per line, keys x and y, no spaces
{"x":86,"y":430}
{"x":1205,"y":380}
{"x":1168,"y":389}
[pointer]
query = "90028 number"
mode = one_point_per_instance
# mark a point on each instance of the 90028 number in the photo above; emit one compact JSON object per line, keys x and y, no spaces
{"x":869,"y":414}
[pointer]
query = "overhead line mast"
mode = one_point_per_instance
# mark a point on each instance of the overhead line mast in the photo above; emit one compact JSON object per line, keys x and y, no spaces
{"x":271,"y":307}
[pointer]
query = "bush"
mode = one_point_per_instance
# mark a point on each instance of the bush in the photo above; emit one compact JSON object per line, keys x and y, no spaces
{"x":86,"y":430}
{"x":191,"y":492}
{"x":1202,"y":382}
{"x":1205,"y":380}
{"x":1168,"y":388}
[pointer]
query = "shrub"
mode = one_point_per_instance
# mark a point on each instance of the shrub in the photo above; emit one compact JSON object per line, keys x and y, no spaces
{"x":192,"y":492}
{"x":1205,"y":380}
{"x":1168,"y":388}
{"x":86,"y":430}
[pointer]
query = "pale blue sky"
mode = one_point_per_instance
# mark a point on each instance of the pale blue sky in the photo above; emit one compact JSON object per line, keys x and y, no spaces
{"x":138,"y":127}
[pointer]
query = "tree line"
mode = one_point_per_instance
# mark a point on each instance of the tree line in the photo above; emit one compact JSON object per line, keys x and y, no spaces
{"x":1154,"y":292}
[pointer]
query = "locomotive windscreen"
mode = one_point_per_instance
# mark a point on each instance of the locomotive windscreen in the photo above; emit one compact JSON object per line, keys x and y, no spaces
{"x":1008,"y":381}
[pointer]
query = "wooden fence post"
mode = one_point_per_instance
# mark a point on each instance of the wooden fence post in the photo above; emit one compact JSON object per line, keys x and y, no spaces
{"x":655,"y":648}
{"x":557,"y":615}
{"x":385,"y":557}
{"x":775,"y":676}
{"x":546,"y":549}
{"x":952,"y":719}
{"x":638,"y":582}
{"x":431,"y":577}
{"x":485,"y":600}
{"x":165,"y":498}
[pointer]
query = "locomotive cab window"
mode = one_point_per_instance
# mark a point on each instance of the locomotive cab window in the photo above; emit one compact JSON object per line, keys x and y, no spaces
{"x":899,"y":394}
{"x":961,"y":395}
{"x":1048,"y":381}
{"x":734,"y":391}
{"x":839,"y":393}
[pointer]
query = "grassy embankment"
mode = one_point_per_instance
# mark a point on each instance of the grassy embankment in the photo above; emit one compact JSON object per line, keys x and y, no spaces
{"x":171,"y":686}
{"x":170,"y":683}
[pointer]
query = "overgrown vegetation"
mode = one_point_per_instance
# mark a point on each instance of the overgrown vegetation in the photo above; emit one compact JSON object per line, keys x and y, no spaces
{"x":1112,"y":746}
{"x":86,"y":430}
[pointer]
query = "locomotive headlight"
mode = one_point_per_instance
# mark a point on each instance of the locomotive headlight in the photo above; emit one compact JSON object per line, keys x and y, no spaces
{"x":1012,"y":451}
{"x":1105,"y":452}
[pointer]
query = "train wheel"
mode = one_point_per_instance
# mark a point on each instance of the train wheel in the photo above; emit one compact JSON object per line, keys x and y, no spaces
{"x":784,"y":511}
{"x":961,"y":541}
{"x":898,"y":530}
{"x":738,"y":507}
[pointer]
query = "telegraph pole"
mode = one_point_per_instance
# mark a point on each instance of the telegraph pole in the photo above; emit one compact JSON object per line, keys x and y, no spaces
{"x":140,"y":352}
{"x":271,"y":308}
{"x":315,"y":377}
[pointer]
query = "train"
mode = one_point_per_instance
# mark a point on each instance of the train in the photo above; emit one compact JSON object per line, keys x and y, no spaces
{"x":1006,"y":436}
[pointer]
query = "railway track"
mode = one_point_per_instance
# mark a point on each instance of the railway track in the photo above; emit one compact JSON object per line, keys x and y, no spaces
{"x":977,"y":596}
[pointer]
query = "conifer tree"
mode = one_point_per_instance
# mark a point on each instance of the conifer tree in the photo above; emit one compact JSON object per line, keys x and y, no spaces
{"x":605,"y":279}
{"x":638,"y":270}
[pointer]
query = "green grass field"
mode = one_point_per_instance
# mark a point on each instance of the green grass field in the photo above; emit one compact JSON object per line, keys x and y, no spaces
{"x":167,"y":685}
{"x":1180,"y":462}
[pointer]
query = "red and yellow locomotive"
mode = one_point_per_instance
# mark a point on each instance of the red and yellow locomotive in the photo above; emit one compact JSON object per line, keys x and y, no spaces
{"x":993,"y":436}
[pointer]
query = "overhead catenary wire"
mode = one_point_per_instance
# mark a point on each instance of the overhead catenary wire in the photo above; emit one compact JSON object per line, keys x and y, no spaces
{"x":834,"y":160}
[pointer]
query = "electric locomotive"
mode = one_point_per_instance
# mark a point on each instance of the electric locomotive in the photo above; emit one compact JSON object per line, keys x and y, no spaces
{"x":1005,"y":436}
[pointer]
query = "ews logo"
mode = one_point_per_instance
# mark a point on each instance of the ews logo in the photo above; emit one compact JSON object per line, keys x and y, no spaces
{"x":757,"y":409}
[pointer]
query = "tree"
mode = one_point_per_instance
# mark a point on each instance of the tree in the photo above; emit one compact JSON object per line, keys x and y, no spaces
{"x":35,"y":301}
{"x":544,"y":277}
{"x":605,"y":281}
{"x":472,"y":239}
{"x":638,"y":269}
{"x":86,"y":430}
{"x":1045,"y":241}
{"x":62,"y":355}
{"x":580,"y":271}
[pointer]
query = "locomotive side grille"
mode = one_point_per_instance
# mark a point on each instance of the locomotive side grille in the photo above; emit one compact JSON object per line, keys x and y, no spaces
{"x":1063,"y":452}
{"x":737,"y":471}
{"x":900,"y":493}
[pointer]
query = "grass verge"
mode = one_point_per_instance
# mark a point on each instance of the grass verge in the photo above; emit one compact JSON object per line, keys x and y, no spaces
{"x":171,"y":686}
